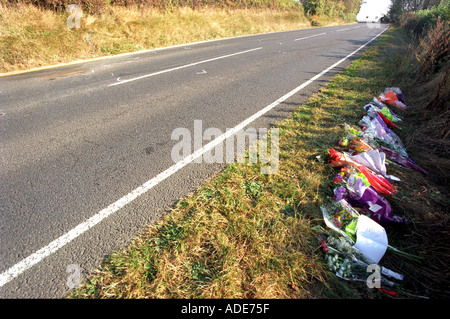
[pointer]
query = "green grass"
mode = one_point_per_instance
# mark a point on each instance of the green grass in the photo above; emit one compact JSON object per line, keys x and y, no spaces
{"x":248,"y":235}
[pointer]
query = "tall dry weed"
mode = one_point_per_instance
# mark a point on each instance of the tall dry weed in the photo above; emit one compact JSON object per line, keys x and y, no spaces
{"x":433,"y":48}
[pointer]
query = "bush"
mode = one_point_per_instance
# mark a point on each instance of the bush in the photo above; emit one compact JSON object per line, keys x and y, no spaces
{"x":331,"y":8}
{"x":420,"y":21}
{"x":433,"y":49}
{"x":431,"y":32}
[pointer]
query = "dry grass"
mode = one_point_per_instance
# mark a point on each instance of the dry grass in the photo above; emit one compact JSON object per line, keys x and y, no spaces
{"x":221,"y":242}
{"x":33,"y":37}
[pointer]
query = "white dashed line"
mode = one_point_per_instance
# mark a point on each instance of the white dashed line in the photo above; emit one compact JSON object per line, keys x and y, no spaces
{"x":182,"y":67}
{"x":312,"y":36}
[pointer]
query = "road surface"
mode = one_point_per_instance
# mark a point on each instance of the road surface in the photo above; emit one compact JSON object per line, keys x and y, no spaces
{"x":85,"y":154}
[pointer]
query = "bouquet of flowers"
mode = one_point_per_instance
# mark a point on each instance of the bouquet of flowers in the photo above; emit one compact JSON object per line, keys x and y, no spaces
{"x":376,"y":133}
{"x":355,"y":189}
{"x":374,"y":160}
{"x":387,"y":121}
{"x":366,"y":235}
{"x":341,"y":217}
{"x":389,"y":118}
{"x":385,"y":110}
{"x":356,"y":144}
{"x":393,"y":96}
{"x":337,"y":159}
{"x":348,"y":263}
{"x":359,"y":145}
{"x":381,"y":184}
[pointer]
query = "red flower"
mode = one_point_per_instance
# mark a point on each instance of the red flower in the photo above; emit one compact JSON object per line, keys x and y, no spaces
{"x":381,"y":185}
{"x":335,"y":158}
{"x":324,"y":246}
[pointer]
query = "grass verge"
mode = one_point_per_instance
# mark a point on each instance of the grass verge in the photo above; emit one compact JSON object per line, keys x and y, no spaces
{"x":247,"y":235}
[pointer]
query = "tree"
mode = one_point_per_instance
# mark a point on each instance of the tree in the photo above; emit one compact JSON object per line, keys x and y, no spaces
{"x":331,"y":7}
{"x":400,"y":6}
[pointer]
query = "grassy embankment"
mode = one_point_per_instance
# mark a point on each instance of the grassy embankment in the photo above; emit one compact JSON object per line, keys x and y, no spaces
{"x":247,"y":235}
{"x":34,"y":37}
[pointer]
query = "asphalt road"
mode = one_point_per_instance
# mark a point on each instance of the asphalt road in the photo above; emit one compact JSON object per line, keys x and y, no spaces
{"x":86,"y":149}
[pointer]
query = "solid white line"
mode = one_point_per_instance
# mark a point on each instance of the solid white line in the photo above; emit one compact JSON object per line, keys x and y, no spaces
{"x":312,"y":36}
{"x":51,"y":248}
{"x":183,"y":66}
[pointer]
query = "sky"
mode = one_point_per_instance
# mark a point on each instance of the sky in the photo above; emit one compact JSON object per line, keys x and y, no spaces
{"x":374,"y":8}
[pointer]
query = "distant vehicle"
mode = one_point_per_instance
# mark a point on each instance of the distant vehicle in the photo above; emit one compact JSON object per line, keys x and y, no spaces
{"x":373,"y":11}
{"x":368,"y":18}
